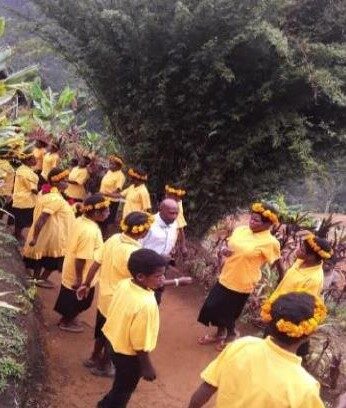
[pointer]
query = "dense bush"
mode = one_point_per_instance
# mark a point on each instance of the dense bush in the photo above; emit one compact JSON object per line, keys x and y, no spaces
{"x":231,"y":97}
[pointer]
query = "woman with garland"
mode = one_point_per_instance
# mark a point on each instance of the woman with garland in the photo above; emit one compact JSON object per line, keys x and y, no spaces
{"x":136,"y":196}
{"x":82,"y":248}
{"x":111,"y":185}
{"x":176,"y":193}
{"x":25,"y":192}
{"x":77,"y":179}
{"x":46,"y":243}
{"x":249,"y":248}
{"x":262,"y":373}
{"x":51,"y":159}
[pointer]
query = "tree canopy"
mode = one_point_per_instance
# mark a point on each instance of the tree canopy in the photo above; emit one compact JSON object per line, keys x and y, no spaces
{"x":231,"y":98}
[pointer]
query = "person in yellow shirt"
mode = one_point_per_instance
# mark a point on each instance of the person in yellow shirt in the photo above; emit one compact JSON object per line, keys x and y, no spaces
{"x":7,"y":174}
{"x":136,"y":196}
{"x":24,"y":194}
{"x":177,"y":193}
{"x":262,"y":373}
{"x":307,"y":271}
{"x":112,"y":263}
{"x":46,"y":243}
{"x":132,"y":326}
{"x":51,"y":159}
{"x":82,"y":247}
{"x":249,"y":248}
{"x":111,"y":185}
{"x":79,"y":175}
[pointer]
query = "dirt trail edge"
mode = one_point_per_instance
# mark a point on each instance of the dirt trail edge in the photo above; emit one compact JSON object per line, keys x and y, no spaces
{"x":178,"y":358}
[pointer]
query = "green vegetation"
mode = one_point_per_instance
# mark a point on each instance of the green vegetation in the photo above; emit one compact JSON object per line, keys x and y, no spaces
{"x":231,"y":98}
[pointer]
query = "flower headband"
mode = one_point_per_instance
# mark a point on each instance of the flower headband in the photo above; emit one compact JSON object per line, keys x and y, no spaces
{"x":60,"y":176}
{"x":174,"y":191}
{"x":97,"y":206}
{"x":134,"y":174}
{"x":305,"y":327}
{"x":115,"y":159}
{"x":270,"y":215}
{"x":137,"y":229}
{"x":310,"y":239}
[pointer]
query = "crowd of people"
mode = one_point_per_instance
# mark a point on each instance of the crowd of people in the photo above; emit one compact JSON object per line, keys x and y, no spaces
{"x":102,"y":233}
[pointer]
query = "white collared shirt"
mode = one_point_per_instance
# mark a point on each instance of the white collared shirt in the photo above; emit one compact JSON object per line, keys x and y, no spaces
{"x":161,"y":237}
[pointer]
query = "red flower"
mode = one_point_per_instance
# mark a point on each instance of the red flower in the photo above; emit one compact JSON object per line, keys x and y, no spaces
{"x":46,"y":188}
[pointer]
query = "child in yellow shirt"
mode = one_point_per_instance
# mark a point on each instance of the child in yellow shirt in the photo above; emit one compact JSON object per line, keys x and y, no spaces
{"x":263,"y":373}
{"x":249,"y":248}
{"x":112,"y":262}
{"x":111,"y":185}
{"x":307,"y":271}
{"x":24,"y":193}
{"x":46,"y":243}
{"x":51,"y":159}
{"x":77,"y":179}
{"x":176,"y":193}
{"x":132,"y":326}
{"x":136,"y":196}
{"x":82,"y":246}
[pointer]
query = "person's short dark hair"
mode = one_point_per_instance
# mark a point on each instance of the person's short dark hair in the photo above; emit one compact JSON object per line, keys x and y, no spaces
{"x":94,"y":199}
{"x":294,"y":307}
{"x":145,"y":261}
{"x":136,"y":218}
{"x":54,"y":172}
{"x":73,"y":162}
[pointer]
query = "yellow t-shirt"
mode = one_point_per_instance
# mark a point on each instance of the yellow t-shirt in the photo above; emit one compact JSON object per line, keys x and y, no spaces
{"x":83,"y":243}
{"x":250,"y":251}
{"x":6,"y":178}
{"x":80,"y":175}
{"x":112,"y":181}
{"x":311,"y":279}
{"x":50,"y":160}
{"x":25,"y":181}
{"x":132,"y":323}
{"x":39,"y":153}
{"x":137,"y":199}
{"x":113,"y":258}
{"x":257,"y":373}
{"x":181,"y":219}
{"x":52,"y":240}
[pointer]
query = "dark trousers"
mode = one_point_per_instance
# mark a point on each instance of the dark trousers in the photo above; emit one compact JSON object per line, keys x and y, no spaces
{"x":128,"y":374}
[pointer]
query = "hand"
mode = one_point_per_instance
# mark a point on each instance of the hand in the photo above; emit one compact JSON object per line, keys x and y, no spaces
{"x":77,"y":285}
{"x":82,"y":292}
{"x":33,"y":242}
{"x":185,"y":280}
{"x":184,"y":251}
{"x":148,"y":373}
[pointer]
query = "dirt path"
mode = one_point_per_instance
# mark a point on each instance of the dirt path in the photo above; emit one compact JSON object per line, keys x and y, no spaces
{"x":178,"y":358}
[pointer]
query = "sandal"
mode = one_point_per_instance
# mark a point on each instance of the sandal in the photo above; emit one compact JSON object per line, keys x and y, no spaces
{"x":209,"y":339}
{"x":107,"y":372}
{"x":227,"y":340}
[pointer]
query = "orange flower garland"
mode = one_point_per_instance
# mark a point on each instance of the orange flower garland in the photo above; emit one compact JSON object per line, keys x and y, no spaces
{"x":258,"y":208}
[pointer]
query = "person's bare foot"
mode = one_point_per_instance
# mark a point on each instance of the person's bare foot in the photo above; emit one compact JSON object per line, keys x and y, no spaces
{"x":71,"y":327}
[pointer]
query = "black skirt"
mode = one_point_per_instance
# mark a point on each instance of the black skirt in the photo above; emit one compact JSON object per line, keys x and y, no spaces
{"x":23,"y":217}
{"x":100,"y":321}
{"x":46,"y":262}
{"x":222,"y":307}
{"x":69,"y":306}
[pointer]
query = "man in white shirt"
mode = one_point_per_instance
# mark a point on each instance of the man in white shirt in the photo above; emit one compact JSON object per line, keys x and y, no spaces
{"x":163,"y":233}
